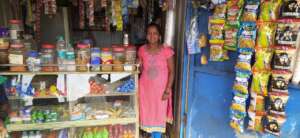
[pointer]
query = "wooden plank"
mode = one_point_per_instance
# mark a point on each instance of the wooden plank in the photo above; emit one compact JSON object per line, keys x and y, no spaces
{"x":56,"y":73}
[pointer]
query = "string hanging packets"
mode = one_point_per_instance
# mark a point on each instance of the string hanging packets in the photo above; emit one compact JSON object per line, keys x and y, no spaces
{"x":81,"y":14}
{"x":90,"y":13}
{"x":50,"y":7}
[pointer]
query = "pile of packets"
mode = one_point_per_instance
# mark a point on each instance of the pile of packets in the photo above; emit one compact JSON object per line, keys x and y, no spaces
{"x":257,"y":28}
{"x":114,"y":131}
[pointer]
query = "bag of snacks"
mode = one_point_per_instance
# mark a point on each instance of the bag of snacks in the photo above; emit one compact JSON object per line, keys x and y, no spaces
{"x":290,"y":9}
{"x":280,"y":80}
{"x":250,"y":11}
{"x":260,"y":83}
{"x":234,"y":11}
{"x":219,"y":11}
{"x":216,"y":51}
{"x":216,"y":29}
{"x":273,"y":124}
{"x":255,"y":122}
{"x":263,"y":58}
{"x":266,"y":34}
{"x":278,"y":101}
{"x":287,"y":33}
{"x":244,"y":63}
{"x":269,"y":10}
{"x":247,"y":37}
{"x":231,"y":33}
{"x":283,"y":58}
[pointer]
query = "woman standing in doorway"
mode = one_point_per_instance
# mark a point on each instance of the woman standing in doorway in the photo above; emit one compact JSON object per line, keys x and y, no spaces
{"x":155,"y":91}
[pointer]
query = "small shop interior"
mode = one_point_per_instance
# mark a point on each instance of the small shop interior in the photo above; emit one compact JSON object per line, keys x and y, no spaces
{"x":68,"y":67}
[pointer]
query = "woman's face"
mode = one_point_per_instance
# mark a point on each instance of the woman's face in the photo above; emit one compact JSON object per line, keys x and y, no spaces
{"x":153,"y":35}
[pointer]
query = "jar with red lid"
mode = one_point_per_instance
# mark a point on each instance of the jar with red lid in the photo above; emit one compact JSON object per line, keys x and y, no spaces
{"x":48,"y":58}
{"x":16,"y":29}
{"x":16,"y":56}
{"x":118,"y":58}
{"x":106,"y":59}
{"x":130,"y":55}
{"x":83,"y":57}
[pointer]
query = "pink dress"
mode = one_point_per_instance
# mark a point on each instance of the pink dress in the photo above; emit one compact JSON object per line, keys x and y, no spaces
{"x":154,"y":112}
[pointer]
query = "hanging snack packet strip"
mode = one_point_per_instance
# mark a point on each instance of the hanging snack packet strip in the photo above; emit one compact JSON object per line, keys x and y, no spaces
{"x":266,"y":34}
{"x":269,"y":10}
{"x":246,"y":40}
{"x":250,"y":11}
{"x":256,"y":112}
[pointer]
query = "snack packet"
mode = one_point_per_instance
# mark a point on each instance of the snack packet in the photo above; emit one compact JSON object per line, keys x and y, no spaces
{"x":234,"y":11}
{"x":246,"y":40}
{"x":237,"y":124}
{"x":219,"y":11}
{"x":278,"y":101}
{"x":263,"y":58}
{"x":287,"y":33}
{"x":269,"y":10}
{"x":260,"y":83}
{"x":266,"y":34}
{"x":216,"y":51}
{"x":257,"y":104}
{"x":244,"y":63}
{"x":255,"y":122}
{"x":280,"y":80}
{"x":273,"y":124}
{"x":231,"y":34}
{"x":216,"y":29}
{"x":250,"y":11}
{"x":290,"y":9}
{"x":241,"y":85}
{"x":283,"y":58}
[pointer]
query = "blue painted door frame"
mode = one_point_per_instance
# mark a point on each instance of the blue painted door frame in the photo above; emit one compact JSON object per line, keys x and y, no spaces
{"x":206,"y":96}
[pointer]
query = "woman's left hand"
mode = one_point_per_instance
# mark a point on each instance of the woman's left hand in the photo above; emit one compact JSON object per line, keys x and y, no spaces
{"x":167,"y":94}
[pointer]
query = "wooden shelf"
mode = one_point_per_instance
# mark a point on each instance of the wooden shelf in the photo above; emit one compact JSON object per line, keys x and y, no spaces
{"x":111,"y":94}
{"x":68,"y":124}
{"x":56,"y":73}
{"x":40,"y":97}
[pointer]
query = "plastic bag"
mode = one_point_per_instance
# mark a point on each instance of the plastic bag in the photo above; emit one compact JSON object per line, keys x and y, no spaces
{"x":269,"y":10}
{"x":287,"y":33}
{"x":246,"y":40}
{"x":280,"y":80}
{"x":260,"y":83}
{"x":283,"y":58}
{"x":216,"y":51}
{"x":273,"y":124}
{"x":250,"y":11}
{"x":244,"y":63}
{"x":241,"y":85}
{"x":255,"y":122}
{"x":216,"y":29}
{"x":278,"y":101}
{"x":266,"y":34}
{"x":263,"y":58}
{"x":219,"y":11}
{"x":231,"y":33}
{"x":290,"y":9}
{"x":257,"y":104}
{"x":234,"y":11}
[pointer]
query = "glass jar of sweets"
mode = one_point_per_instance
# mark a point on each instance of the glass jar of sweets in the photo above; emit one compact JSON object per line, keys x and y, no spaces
{"x":118,"y":58}
{"x":83,"y":57}
{"x":130,"y":58}
{"x":16,"y":56}
{"x":48,"y":58}
{"x":106,"y":59}
{"x":15,"y":29}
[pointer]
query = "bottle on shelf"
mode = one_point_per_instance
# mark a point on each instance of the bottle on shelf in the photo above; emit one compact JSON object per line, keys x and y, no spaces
{"x":70,"y":59}
{"x":125,"y":39}
{"x":61,"y":53}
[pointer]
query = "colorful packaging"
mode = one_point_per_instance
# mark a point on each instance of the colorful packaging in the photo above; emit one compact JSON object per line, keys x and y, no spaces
{"x":287,"y":33}
{"x":283,"y":58}
{"x":290,"y":9}
{"x":266,"y":34}
{"x":263,"y":58}
{"x":255,"y":122}
{"x":216,"y":51}
{"x":241,"y":85}
{"x":280,"y":80}
{"x":216,"y":29}
{"x":257,"y":104}
{"x":273,"y":124}
{"x":260,"y":83}
{"x":250,"y":11}
{"x":244,"y":63}
{"x":231,"y":34}
{"x":278,"y":101}
{"x":219,"y":11}
{"x":269,"y":10}
{"x":234,"y":11}
{"x":246,"y":40}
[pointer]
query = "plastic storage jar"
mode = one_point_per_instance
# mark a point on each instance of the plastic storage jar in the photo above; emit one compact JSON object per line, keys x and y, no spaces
{"x":48,"y":58}
{"x":83,"y":57}
{"x":15,"y":29}
{"x":118,"y":58}
{"x":17,"y":57}
{"x":4,"y":41}
{"x":106,"y":58}
{"x":33,"y":61}
{"x":95,"y":59}
{"x":130,"y":58}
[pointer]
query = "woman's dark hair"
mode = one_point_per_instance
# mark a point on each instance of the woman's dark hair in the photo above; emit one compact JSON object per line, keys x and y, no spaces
{"x":156,"y":26}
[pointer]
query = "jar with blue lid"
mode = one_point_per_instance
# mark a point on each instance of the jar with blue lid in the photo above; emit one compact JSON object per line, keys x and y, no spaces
{"x":95,"y":59}
{"x":33,"y":61}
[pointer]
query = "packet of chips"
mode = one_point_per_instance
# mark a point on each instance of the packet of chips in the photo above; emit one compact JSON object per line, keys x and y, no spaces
{"x":287,"y":33}
{"x":269,"y":10}
{"x":216,"y":29}
{"x":290,"y":9}
{"x":219,"y":11}
{"x":273,"y":124}
{"x":257,"y":104}
{"x":216,"y":51}
{"x":255,"y":122}
{"x":263,"y":58}
{"x":266,"y":34}
{"x":250,"y":11}
{"x":260,"y":83}
{"x":283,"y":58}
{"x":280,"y":80}
{"x":231,"y":33}
{"x":234,"y":11}
{"x":278,"y":101}
{"x":244,"y":63}
{"x":241,"y":85}
{"x":247,"y":36}
{"x":237,"y":124}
